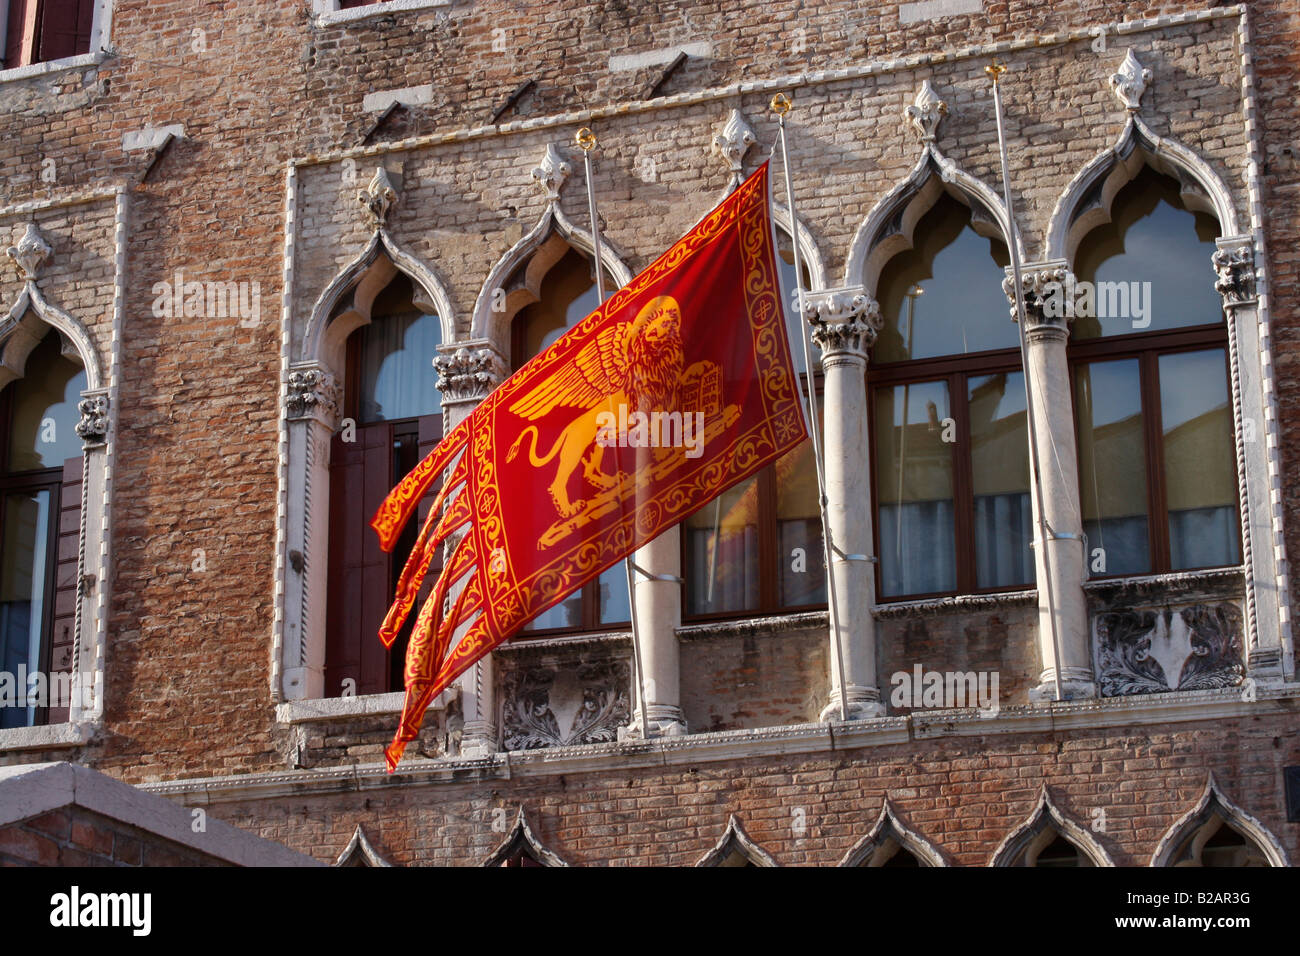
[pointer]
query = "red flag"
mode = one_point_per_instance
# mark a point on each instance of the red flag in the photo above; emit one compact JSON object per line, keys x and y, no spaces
{"x":676,"y":388}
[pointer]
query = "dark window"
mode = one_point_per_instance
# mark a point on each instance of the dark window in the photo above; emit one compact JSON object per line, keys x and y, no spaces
{"x":40,"y":524}
{"x":757,"y":547}
{"x":38,"y":31}
{"x":1157,"y":465}
{"x":391,"y":397}
{"x":949,"y":442}
{"x":555,"y":301}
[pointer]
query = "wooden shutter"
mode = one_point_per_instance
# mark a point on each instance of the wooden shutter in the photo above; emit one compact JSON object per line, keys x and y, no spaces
{"x":348,"y":4}
{"x":359,"y":585}
{"x":65,"y":28}
{"x":63,"y":633}
{"x":15,"y":29}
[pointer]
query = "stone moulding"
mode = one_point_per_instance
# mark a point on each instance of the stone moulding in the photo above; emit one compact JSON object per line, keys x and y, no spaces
{"x":1047,"y":815}
{"x":521,"y":837}
{"x":736,"y":842}
{"x":713,"y":747}
{"x":1212,"y":801}
{"x":359,"y":848}
{"x":956,"y":604}
{"x":888,"y":827}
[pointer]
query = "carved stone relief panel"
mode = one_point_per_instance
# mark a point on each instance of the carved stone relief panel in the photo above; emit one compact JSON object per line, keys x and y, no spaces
{"x":1154,"y":650}
{"x":563,"y":700}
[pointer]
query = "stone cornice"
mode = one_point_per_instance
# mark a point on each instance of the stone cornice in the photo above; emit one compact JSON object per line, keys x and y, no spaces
{"x":693,"y":749}
{"x":956,"y":604}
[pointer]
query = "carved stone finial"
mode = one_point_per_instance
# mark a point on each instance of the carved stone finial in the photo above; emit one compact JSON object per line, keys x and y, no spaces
{"x":379,"y":196}
{"x":31,"y":253}
{"x":1048,"y":293}
{"x":925,"y":112}
{"x":845,"y":321}
{"x":1235,"y":266}
{"x":93,"y":427}
{"x":468,"y":374}
{"x":312,"y":394}
{"x":732,"y":142}
{"x":1130,"y":82}
{"x":552,"y":173}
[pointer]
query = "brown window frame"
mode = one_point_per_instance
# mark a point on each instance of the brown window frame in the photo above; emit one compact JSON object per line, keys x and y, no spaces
{"x":35,"y":480}
{"x":955,"y":371}
{"x":769,"y":539}
{"x":1147,"y":348}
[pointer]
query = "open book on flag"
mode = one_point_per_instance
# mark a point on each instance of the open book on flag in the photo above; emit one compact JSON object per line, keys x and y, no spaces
{"x":677,"y":387}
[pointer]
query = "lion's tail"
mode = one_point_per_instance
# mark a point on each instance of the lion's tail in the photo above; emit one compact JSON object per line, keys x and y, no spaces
{"x":532,"y":447}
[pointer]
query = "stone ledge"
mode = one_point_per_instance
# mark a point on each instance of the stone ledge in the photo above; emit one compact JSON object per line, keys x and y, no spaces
{"x":956,"y":603}
{"x":46,"y":737}
{"x":521,"y":644}
{"x":783,"y":623}
{"x":804,"y":739}
{"x":330,"y":18}
{"x":79,"y":62}
{"x":341,"y":708}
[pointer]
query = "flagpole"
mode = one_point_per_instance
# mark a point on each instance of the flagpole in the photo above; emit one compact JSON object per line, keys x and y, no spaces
{"x":587,"y":142}
{"x":1045,"y":533}
{"x":781,"y":105}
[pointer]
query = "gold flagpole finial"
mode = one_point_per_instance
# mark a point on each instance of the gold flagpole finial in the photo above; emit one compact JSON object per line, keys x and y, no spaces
{"x":781,"y":104}
{"x":995,"y":69}
{"x":586,"y":139}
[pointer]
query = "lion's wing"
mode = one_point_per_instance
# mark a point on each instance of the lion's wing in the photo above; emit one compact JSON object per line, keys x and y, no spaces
{"x":597,"y":371}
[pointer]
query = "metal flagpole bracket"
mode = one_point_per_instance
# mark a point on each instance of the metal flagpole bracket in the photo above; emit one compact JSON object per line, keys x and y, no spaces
{"x":665,"y":578}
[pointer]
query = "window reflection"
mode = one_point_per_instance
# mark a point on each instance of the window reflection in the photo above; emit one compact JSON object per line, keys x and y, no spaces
{"x":44,"y":420}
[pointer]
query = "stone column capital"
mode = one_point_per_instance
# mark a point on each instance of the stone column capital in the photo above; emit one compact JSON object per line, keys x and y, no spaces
{"x":313,"y":394}
{"x":1048,"y":290}
{"x":845,"y":323}
{"x":92,"y":429}
{"x":468,"y":371}
{"x":1234,"y":264}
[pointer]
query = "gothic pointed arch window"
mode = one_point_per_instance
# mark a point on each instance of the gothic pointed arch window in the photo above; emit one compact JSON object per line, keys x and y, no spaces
{"x":950,"y":447}
{"x":1149,"y":361}
{"x":392,"y":418}
{"x":40,"y":518}
{"x":757,"y":548}
{"x":550,"y":293}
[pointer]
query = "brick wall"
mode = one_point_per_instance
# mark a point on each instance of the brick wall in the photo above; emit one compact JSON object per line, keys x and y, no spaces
{"x":73,"y":836}
{"x":188,"y":656}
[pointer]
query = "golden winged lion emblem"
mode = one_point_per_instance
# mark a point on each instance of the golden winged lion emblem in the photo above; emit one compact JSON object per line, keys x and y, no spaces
{"x":635,"y":364}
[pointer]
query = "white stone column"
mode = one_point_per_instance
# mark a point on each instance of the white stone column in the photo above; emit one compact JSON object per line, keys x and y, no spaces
{"x":1048,"y":372}
{"x":1260,"y":498}
{"x":466,"y":373}
{"x":659,"y":614}
{"x":845,"y":322}
{"x":312,"y":409}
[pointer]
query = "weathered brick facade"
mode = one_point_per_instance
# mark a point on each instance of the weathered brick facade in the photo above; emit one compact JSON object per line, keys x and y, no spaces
{"x":202,"y":621}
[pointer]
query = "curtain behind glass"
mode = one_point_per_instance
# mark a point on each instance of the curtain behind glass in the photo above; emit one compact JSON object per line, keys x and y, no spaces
{"x":397,"y":376}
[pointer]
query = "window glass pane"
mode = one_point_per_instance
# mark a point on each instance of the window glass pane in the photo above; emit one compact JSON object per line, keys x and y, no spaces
{"x":25,"y":542}
{"x":568,"y":613}
{"x":568,"y":295}
{"x":793,"y":321}
{"x":1200,"y":460}
{"x":914,"y":488}
{"x":722,"y":570}
{"x":1150,"y":265}
{"x":1000,"y":473}
{"x":1112,"y":466}
{"x":960,"y":306}
{"x":800,"y":556}
{"x":612,"y":586}
{"x":45,"y":412}
{"x":397,"y":348}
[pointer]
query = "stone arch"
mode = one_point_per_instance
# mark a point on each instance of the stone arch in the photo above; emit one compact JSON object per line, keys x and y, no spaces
{"x":522,"y":840}
{"x":1182,"y":843}
{"x":359,"y":852}
{"x":1086,"y":202}
{"x":1044,"y":824}
{"x":888,"y":837}
{"x":364,"y":278}
{"x":890,"y":226}
{"x":808,"y":250}
{"x":28,"y":322}
{"x":543,"y":246}
{"x":735,"y":848}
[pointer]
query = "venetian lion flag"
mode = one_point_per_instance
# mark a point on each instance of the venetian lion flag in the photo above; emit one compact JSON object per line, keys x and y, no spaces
{"x":676,"y":388}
